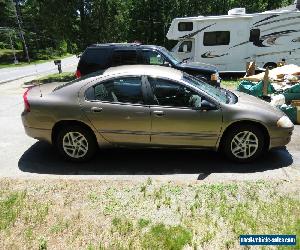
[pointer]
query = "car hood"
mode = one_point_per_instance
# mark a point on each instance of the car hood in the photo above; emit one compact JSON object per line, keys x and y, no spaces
{"x":198,"y":65}
{"x":249,"y":102}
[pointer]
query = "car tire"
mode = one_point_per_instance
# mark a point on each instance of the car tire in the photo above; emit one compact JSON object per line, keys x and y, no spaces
{"x":76,"y":143}
{"x":244,"y":143}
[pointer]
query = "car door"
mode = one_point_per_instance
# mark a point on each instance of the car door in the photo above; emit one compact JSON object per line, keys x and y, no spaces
{"x":117,"y":109}
{"x":177,"y":118}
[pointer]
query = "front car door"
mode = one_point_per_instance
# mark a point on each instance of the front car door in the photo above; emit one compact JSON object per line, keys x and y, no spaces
{"x":177,"y":117}
{"x":117,"y":109}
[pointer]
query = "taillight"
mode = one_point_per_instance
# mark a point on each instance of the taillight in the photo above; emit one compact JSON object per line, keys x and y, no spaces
{"x":26,"y":103}
{"x":78,"y":73}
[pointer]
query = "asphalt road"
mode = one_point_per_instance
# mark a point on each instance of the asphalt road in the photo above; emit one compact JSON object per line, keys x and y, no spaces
{"x":14,"y":73}
{"x":24,"y":157}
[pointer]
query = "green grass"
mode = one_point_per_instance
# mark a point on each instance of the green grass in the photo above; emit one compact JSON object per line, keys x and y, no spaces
{"x":63,"y":77}
{"x":6,"y":59}
{"x":163,"y":237}
{"x":231,"y":84}
{"x":148,"y":215}
{"x":10,"y":207}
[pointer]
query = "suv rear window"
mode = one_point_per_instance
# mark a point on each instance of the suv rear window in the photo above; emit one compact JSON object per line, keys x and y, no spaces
{"x":124,"y":57}
{"x":96,"y":56}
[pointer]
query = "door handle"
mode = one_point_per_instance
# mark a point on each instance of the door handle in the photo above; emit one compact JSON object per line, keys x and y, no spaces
{"x":96,"y":109}
{"x":158,"y":112}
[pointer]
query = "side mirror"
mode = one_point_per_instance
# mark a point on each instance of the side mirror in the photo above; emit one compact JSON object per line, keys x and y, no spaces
{"x":205,"y":105}
{"x":167,"y":64}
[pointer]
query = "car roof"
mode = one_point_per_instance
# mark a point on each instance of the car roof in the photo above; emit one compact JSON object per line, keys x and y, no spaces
{"x":123,"y":46}
{"x":152,"y":70}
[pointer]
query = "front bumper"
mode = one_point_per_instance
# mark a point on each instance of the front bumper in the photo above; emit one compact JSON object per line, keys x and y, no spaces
{"x":280,"y":137}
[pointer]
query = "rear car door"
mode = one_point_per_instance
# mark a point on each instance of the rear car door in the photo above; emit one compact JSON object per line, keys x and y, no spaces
{"x":175,"y":121}
{"x":117,"y":109}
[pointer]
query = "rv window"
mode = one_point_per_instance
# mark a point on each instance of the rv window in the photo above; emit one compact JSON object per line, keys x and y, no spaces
{"x":185,"y":26}
{"x":254,"y":35}
{"x":216,"y":38}
{"x":188,"y":44}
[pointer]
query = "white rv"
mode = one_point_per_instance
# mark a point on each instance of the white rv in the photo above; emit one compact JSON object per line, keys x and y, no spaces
{"x":231,"y":40}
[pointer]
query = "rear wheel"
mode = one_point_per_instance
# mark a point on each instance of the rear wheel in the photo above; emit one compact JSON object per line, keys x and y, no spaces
{"x":244,"y":143}
{"x":76,"y":143}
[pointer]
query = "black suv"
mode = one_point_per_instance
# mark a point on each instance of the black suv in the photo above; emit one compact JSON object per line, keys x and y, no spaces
{"x":102,"y":56}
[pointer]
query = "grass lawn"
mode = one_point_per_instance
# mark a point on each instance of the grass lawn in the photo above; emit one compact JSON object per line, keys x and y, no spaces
{"x":230,"y":84}
{"x":63,"y":77}
{"x":7,"y":53}
{"x":61,"y":214}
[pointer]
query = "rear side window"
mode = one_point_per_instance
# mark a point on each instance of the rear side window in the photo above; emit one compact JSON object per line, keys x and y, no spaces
{"x":124,"y":57}
{"x":216,"y":38}
{"x":185,"y":26}
{"x":96,"y":56}
{"x":125,"y":90}
{"x":254,"y":35}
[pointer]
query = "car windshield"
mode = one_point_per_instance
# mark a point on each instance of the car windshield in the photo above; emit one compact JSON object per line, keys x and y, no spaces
{"x":171,"y":57}
{"x":214,"y":92}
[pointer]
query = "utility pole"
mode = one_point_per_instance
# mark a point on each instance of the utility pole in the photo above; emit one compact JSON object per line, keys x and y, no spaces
{"x":20,"y":29}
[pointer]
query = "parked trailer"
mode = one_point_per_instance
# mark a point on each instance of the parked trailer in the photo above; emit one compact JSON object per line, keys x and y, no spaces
{"x":230,"y":41}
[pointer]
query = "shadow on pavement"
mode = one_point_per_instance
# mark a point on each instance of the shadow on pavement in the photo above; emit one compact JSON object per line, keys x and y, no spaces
{"x":42,"y":158}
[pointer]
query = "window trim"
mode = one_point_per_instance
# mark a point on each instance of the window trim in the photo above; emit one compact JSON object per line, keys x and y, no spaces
{"x":117,"y":103}
{"x":198,"y":91}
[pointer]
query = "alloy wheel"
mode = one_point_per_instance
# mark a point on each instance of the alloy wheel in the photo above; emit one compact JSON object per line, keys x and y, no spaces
{"x":244,"y":145}
{"x":75,"y":144}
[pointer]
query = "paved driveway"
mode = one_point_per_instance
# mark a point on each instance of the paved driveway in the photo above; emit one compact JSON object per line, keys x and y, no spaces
{"x":13,"y":73}
{"x":23,"y":157}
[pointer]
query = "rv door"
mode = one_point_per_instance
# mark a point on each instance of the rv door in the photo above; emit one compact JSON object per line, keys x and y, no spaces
{"x":185,"y":50}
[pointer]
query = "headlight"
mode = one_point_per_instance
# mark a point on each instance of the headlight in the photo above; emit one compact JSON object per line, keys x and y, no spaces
{"x":215,"y":77}
{"x":285,"y":122}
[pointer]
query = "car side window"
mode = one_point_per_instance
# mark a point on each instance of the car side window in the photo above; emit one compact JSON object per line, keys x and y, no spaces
{"x":152,"y":57}
{"x":188,"y":45}
{"x":169,"y":93}
{"x":125,"y":90}
{"x":124,"y":57}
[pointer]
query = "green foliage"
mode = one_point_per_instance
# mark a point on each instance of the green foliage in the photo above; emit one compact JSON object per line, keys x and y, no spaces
{"x":57,"y":27}
{"x":162,"y":237}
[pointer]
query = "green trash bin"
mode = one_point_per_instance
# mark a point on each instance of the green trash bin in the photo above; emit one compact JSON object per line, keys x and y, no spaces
{"x":290,"y":111}
{"x":292,"y":93}
{"x":255,"y":89}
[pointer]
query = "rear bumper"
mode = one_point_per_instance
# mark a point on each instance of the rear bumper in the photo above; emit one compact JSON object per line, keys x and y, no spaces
{"x":36,"y":133}
{"x":39,"y":134}
{"x":280,"y":137}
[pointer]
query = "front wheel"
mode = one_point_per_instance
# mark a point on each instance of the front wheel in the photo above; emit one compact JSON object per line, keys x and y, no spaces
{"x":76,"y":143}
{"x":244,"y":143}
